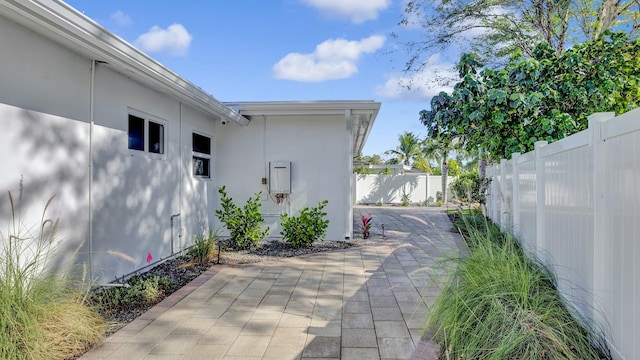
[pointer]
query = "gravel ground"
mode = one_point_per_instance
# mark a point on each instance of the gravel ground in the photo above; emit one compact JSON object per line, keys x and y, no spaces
{"x":181,"y":272}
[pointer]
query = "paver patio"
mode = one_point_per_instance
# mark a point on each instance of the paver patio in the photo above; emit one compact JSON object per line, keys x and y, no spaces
{"x":360,"y":303}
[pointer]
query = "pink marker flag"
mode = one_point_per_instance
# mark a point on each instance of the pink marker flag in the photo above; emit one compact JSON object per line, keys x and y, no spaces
{"x":149,"y":257}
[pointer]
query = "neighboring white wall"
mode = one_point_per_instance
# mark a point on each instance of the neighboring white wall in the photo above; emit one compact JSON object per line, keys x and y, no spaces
{"x":574,"y":204}
{"x":389,"y":189}
{"x":316,"y":147}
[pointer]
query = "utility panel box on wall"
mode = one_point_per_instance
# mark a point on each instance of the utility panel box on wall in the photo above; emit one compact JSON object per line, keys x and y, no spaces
{"x":280,"y":177}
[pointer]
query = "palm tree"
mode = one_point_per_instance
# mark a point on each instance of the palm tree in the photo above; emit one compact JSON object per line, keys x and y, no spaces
{"x":408,"y":149}
{"x":422,"y":163}
{"x":438,"y":148}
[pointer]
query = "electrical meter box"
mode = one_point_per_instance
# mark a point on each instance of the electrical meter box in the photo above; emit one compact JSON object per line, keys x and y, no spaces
{"x":280,"y":177}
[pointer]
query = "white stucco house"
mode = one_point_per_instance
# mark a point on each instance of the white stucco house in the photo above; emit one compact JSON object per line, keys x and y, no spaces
{"x":134,"y":153}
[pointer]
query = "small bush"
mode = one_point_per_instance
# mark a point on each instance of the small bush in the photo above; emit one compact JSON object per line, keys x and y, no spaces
{"x":244,"y":224}
{"x":469,"y":187}
{"x":405,"y":200}
{"x":204,"y":248}
{"x":139,"y":292}
{"x":501,"y":305}
{"x":366,"y":226}
{"x":307,"y":227}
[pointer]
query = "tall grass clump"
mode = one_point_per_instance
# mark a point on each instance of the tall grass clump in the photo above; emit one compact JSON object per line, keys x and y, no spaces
{"x":43,"y":313}
{"x":204,"y":248}
{"x":501,"y":305}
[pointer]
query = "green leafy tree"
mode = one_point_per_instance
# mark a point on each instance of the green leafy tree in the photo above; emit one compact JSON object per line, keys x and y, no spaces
{"x":546,"y":97}
{"x":439,"y":147}
{"x":408,"y":149}
{"x":374,"y":159}
{"x":501,"y":28}
{"x":422,"y":163}
{"x":468,"y":187}
{"x":454,"y":167}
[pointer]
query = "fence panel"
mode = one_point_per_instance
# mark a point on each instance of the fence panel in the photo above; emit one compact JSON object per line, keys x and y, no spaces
{"x":568,"y":167}
{"x":389,"y":189}
{"x":525,"y":230}
{"x":622,"y":201}
{"x":576,"y":205}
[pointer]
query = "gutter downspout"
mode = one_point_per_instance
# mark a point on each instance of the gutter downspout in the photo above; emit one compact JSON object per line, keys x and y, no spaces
{"x":349,"y":182}
{"x":91,"y":123}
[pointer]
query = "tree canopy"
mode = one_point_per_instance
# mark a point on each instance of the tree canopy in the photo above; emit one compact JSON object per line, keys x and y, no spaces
{"x":545,"y":97}
{"x":500,"y":28}
{"x":408,"y":149}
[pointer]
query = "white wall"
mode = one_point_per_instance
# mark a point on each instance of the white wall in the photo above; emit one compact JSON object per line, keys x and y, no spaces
{"x":135,"y":193}
{"x":389,"y":189}
{"x":315,"y":145}
{"x":575,"y":204}
{"x":44,"y":134}
{"x":48,"y":142}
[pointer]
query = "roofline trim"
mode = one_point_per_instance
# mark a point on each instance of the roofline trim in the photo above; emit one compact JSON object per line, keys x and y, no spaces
{"x":59,"y":18}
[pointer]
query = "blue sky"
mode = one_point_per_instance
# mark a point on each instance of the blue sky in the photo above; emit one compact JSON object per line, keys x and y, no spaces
{"x":282,"y":50}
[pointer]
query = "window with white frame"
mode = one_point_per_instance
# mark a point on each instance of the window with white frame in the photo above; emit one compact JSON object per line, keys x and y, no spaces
{"x":201,"y":156}
{"x":146,"y":134}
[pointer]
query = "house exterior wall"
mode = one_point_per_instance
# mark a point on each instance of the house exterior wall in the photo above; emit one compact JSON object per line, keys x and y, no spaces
{"x":49,"y":145}
{"x":316,"y":147}
{"x":44,"y":136}
{"x":65,"y":125}
{"x":135,"y":193}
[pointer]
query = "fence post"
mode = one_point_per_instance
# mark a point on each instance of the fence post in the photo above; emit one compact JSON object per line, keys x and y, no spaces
{"x":541,"y":248}
{"x":601,"y":298}
{"x":504,"y":210}
{"x":515,"y":196}
{"x":495,"y":193}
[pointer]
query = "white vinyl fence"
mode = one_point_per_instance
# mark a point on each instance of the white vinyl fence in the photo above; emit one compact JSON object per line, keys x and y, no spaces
{"x":389,"y":189}
{"x":575,"y":204}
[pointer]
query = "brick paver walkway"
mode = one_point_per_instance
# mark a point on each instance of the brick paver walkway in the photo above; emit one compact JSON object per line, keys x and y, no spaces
{"x":360,"y":303}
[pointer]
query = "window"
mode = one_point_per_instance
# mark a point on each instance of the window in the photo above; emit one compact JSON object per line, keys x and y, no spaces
{"x":146,"y":135}
{"x":201,"y":156}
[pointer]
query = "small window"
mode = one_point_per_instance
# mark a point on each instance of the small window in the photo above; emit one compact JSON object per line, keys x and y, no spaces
{"x":136,"y":133}
{"x":200,"y":167}
{"x":146,"y":135}
{"x":156,"y":138}
{"x":201,"y":146}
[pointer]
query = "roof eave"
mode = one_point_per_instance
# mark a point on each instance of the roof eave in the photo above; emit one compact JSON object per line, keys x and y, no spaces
{"x":63,"y":23}
{"x":363,"y":113}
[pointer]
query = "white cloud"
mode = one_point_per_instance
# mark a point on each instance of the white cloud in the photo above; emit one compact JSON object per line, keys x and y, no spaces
{"x":358,"y":11}
{"x":121,"y":19}
{"x":332,"y":59}
{"x":175,"y":39}
{"x":430,"y":81}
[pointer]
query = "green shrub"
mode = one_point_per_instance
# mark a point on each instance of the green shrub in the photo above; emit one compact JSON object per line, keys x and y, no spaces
{"x":307,"y":227}
{"x":468,"y":187}
{"x":501,"y":305}
{"x":405,"y":200}
{"x":204,"y":248}
{"x":139,"y":291}
{"x":43,"y":313}
{"x":244,"y":224}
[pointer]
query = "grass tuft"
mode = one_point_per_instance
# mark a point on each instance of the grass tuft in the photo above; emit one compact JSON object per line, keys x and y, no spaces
{"x":43,"y":314}
{"x":204,"y":248}
{"x":501,"y":305}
